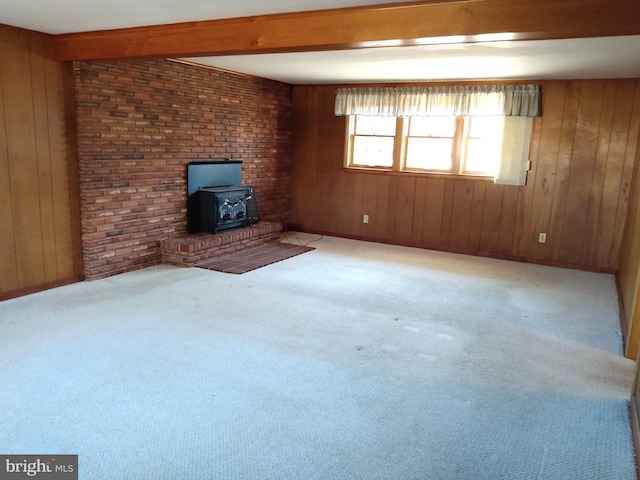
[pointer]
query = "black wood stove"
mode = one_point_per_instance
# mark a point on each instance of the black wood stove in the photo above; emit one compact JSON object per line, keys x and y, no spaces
{"x":216,"y":198}
{"x":222,"y":208}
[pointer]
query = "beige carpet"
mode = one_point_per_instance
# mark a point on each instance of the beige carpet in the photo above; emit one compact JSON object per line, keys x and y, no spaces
{"x":353,"y":361}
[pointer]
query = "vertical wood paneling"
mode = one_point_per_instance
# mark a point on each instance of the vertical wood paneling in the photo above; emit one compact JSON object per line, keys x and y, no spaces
{"x":627,"y":172}
{"x":447,"y":212}
{"x":358,"y":205}
{"x":392,"y":201}
{"x":490,"y":233}
{"x":405,"y":210}
{"x":346,"y":204}
{"x":306,"y":127}
{"x":382,"y":207}
{"x":563,"y":171}
{"x":597,"y":201}
{"x":433,"y":212}
{"x":322,"y":186}
{"x":545,"y":165}
{"x":330,"y":129}
{"x":615,"y":158}
{"x":370,"y":204}
{"x":508,"y":220}
{"x":43,"y":158}
{"x":579,"y":185}
{"x":21,"y":146}
{"x":524,"y":212}
{"x":461,"y":215}
{"x":40,"y":240}
{"x":582,"y":152}
{"x":8,"y":266}
{"x":419,"y":211}
{"x":629,"y":273}
{"x":330,"y":140}
{"x":312,"y":193}
{"x":477,"y":215}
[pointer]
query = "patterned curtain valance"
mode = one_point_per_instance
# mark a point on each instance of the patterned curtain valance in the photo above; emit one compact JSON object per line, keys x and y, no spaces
{"x":448,"y":100}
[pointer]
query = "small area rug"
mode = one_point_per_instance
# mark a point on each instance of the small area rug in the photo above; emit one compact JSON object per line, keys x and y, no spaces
{"x":248,"y":259}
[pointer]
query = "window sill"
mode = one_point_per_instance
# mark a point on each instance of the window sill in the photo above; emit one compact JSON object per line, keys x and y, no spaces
{"x":380,"y":171}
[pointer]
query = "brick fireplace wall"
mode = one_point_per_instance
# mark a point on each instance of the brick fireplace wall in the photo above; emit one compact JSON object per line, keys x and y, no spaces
{"x":140,"y":123}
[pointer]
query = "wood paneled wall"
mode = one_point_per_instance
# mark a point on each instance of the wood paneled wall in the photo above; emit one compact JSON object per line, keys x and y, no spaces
{"x":583,"y":150}
{"x":39,"y":215}
{"x":629,"y":272}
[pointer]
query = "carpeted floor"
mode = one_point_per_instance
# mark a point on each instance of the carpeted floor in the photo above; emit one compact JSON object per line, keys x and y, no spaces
{"x":353,"y":361}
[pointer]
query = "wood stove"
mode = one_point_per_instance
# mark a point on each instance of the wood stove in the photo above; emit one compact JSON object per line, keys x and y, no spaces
{"x":216,"y":198}
{"x":222,"y":208}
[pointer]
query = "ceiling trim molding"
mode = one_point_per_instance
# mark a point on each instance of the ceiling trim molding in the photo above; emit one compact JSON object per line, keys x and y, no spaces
{"x":422,"y":23}
{"x":189,"y":63}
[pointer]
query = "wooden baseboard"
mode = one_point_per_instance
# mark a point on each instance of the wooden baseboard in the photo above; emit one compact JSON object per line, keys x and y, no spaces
{"x":39,"y":288}
{"x":635,"y":428}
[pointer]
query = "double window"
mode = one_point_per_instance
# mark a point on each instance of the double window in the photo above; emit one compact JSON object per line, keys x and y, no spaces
{"x":429,"y":144}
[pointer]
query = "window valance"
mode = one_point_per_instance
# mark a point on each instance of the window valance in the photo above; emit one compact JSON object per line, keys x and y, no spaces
{"x":446,"y":100}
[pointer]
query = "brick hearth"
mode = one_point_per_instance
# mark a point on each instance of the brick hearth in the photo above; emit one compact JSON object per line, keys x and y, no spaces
{"x":186,"y":250}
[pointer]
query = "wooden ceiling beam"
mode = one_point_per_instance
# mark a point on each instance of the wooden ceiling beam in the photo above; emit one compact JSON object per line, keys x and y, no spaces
{"x":423,"y":23}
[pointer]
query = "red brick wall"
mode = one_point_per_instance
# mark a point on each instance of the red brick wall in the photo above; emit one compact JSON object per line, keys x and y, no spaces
{"x":140,"y":123}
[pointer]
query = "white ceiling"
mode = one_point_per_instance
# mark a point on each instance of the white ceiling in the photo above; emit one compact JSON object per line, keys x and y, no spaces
{"x":610,"y":57}
{"x":66,"y":16}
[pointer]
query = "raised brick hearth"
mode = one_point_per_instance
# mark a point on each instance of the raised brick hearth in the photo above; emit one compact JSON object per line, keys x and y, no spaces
{"x":187,"y":250}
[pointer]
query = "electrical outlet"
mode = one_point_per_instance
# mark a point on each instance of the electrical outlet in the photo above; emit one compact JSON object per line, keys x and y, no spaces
{"x":365,"y":219}
{"x":542,"y":237}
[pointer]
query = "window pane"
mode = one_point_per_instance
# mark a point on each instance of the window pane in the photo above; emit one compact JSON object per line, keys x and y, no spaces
{"x":429,"y":153}
{"x":375,"y":125}
{"x":432,"y":126}
{"x":482,"y":127}
{"x":373,"y":151}
{"x":482,"y":155}
{"x":483,"y":144}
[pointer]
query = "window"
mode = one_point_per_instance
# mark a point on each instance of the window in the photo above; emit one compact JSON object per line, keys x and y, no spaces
{"x":445,"y":145}
{"x":373,"y":141}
